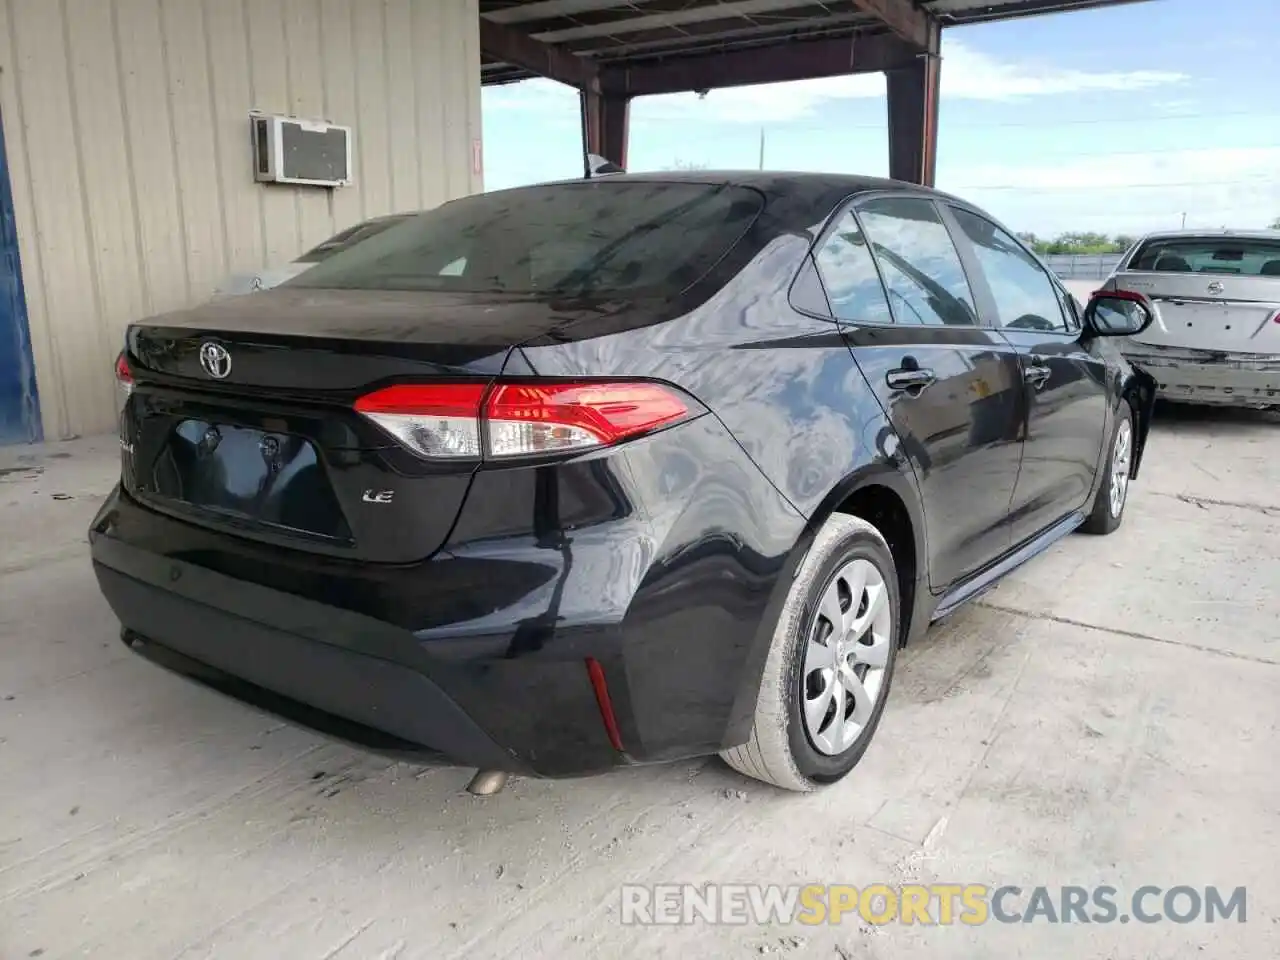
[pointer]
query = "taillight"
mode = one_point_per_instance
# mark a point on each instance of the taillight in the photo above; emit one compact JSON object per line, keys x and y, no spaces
{"x":520,"y":419}
{"x":531,"y":419}
{"x":124,"y":376}
{"x":433,"y":420}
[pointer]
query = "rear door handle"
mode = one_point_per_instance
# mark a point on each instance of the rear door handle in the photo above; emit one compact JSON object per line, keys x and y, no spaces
{"x":1036,"y":375}
{"x":909,"y":378}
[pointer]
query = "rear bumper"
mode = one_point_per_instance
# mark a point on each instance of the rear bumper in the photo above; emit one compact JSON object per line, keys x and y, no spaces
{"x":347,"y":676}
{"x":477,"y":656}
{"x":1203,"y":377}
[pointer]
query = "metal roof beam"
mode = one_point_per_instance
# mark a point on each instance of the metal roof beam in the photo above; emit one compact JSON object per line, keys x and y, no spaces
{"x":904,"y":18}
{"x":794,"y":60}
{"x":514,"y":47}
{"x":543,"y":9}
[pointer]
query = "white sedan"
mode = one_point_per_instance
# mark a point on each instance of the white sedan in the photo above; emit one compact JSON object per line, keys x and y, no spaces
{"x":1216,"y":335}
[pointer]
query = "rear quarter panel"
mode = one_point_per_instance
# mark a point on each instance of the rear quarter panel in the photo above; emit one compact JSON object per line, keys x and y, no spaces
{"x":787,"y":390}
{"x":784,"y":384}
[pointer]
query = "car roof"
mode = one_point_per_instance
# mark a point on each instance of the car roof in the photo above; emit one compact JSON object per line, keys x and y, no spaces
{"x":792,"y":197}
{"x":1210,"y":234}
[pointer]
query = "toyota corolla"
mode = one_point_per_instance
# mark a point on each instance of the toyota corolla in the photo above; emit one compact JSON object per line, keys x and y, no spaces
{"x":614,"y":471}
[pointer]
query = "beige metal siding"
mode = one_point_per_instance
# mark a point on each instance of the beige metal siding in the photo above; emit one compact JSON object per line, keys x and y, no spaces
{"x":128,"y":139}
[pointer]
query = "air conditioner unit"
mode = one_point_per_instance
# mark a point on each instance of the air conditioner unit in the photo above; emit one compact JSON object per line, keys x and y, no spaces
{"x":293,"y":150}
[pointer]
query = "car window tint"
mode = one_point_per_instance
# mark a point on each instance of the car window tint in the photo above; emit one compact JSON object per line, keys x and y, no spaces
{"x":849,"y":275}
{"x":1026,"y":299}
{"x":596,"y":238}
{"x":922,"y":270}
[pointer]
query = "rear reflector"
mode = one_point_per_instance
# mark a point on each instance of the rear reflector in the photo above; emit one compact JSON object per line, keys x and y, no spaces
{"x":520,"y":419}
{"x":596,"y":673}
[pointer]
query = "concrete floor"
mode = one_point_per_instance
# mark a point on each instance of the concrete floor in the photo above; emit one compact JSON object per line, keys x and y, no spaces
{"x":1107,"y":716}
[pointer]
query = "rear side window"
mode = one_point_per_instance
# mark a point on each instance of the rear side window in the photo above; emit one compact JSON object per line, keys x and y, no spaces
{"x":1026,"y":299}
{"x":849,"y":275}
{"x":594,"y":238}
{"x":1223,"y":255}
{"x":921,"y":268}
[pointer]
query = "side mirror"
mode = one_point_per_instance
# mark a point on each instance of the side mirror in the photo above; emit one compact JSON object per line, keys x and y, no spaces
{"x":1117,"y":313}
{"x":598,"y":166}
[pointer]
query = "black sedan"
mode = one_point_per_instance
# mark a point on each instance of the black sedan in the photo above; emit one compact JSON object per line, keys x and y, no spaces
{"x":561,"y":478}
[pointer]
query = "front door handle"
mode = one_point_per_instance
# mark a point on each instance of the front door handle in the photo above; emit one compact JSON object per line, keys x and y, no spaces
{"x":909,"y":378}
{"x":1037,"y":375}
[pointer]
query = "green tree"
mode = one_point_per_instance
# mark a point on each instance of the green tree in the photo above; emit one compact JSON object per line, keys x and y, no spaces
{"x":1078,"y":243}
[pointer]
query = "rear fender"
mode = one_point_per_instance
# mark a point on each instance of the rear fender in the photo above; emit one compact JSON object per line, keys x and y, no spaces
{"x":1139,"y":389}
{"x":886,"y":472}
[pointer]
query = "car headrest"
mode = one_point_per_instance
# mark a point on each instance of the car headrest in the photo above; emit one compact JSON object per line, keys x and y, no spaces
{"x":1171,"y":263}
{"x":1270,"y":269}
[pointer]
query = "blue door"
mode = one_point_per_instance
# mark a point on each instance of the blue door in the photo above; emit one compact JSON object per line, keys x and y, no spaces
{"x":19,"y":406}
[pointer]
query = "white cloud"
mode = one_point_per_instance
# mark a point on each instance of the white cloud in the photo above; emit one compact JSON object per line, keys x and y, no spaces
{"x":967,"y":74}
{"x":1167,"y":168}
{"x":1128,"y":192}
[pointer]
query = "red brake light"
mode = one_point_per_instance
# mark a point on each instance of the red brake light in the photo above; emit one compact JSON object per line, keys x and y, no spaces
{"x":1119,"y":295}
{"x":520,"y":419}
{"x":432,"y":420}
{"x":524,"y":419}
{"x":123,"y":374}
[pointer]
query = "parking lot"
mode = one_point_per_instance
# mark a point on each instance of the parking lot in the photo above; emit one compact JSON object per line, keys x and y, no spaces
{"x":1108,"y":715}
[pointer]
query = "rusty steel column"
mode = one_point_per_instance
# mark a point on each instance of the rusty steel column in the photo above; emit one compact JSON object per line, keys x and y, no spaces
{"x":913,"y":116}
{"x":606,"y":125}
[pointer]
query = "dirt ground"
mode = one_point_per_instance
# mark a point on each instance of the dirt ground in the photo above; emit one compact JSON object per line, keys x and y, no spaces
{"x":1106,"y":716}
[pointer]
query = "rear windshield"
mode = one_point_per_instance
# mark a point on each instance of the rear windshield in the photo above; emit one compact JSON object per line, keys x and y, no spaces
{"x":1245,"y":257}
{"x":347,"y":238}
{"x":602,"y":238}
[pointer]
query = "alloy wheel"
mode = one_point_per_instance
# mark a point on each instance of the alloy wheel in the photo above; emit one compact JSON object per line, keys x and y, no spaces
{"x":846,"y":657}
{"x":1120,"y":461}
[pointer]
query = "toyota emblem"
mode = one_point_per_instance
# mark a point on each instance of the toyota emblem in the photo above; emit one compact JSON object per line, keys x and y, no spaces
{"x":1216,"y":286}
{"x":216,"y":360}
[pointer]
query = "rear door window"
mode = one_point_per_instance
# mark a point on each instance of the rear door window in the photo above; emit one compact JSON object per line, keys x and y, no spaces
{"x":1231,"y":256}
{"x":849,"y":275}
{"x":922,"y":270}
{"x":594,"y":239}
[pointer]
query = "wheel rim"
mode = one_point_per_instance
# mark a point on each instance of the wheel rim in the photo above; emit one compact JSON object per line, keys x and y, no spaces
{"x":846,"y":657}
{"x":1120,"y":460}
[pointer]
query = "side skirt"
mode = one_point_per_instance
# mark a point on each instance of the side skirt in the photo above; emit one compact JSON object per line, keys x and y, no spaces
{"x":984,"y":580}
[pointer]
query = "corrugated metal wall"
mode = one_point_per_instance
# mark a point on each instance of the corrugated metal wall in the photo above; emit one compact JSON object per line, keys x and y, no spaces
{"x":128,"y":135}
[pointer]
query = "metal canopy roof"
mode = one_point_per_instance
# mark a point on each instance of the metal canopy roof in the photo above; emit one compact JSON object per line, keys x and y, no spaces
{"x":625,"y":33}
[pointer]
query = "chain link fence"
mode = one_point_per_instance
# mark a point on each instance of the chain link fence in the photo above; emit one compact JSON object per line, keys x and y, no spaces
{"x":1082,"y":266}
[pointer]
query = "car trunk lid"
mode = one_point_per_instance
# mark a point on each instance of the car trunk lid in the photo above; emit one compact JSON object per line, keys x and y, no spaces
{"x":242,"y":417}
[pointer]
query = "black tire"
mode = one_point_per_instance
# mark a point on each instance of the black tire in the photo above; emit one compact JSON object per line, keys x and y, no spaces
{"x":1104,"y":518}
{"x":781,"y":750}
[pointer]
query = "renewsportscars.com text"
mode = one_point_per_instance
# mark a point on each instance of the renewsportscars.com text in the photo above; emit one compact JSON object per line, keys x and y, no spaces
{"x":971,"y":904}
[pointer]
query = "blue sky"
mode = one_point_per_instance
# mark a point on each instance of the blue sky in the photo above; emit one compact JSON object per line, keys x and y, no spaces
{"x":1116,"y":120}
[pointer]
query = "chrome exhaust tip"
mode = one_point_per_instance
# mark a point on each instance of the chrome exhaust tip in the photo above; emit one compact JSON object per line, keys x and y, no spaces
{"x":486,"y":783}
